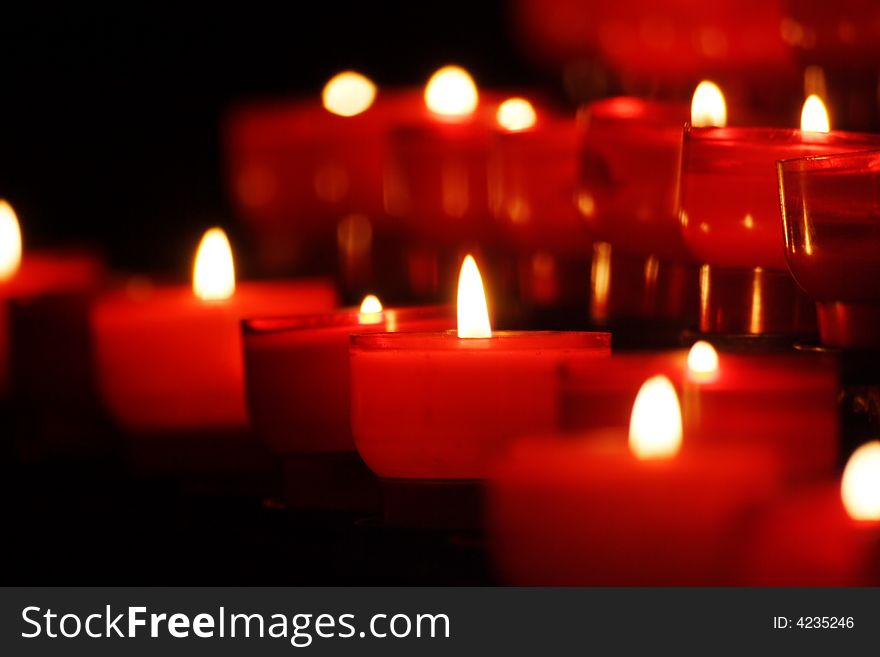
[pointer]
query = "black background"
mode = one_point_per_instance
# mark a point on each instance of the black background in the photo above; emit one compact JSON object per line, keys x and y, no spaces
{"x":109,"y":120}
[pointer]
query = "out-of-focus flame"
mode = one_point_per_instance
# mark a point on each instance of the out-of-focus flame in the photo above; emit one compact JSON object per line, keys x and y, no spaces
{"x":214,"y":271}
{"x":371,"y":310}
{"x":860,"y":486}
{"x":10,"y":242}
{"x":708,"y":108}
{"x":702,"y":360}
{"x":814,"y":116}
{"x":451,"y":92}
{"x":655,"y":425}
{"x":516,"y":114}
{"x":473,"y":314}
{"x":348,"y":94}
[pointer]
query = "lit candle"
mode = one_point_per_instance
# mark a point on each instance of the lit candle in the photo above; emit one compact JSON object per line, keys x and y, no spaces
{"x":824,"y":536}
{"x":312,"y":169}
{"x":297,"y":379}
{"x":43,"y":312}
{"x":437,"y":175}
{"x":784,"y":403}
{"x":613,"y":507}
{"x":533,"y":171}
{"x":443,"y":405}
{"x":169,"y":358}
{"x":730,"y":218}
{"x":626,"y":196}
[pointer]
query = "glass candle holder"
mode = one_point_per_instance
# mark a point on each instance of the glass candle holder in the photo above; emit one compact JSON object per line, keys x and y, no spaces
{"x":830,"y":206}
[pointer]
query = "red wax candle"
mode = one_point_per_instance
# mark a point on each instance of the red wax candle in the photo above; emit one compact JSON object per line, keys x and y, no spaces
{"x":168,"y":361}
{"x":787,"y":404}
{"x":37,"y":275}
{"x":296,"y":169}
{"x":532,"y":180}
{"x":815,"y":538}
{"x":829,"y":216}
{"x":729,"y":195}
{"x":588,"y":510}
{"x":437,"y":179}
{"x":629,"y":174}
{"x":443,"y":405}
{"x":297,"y":373}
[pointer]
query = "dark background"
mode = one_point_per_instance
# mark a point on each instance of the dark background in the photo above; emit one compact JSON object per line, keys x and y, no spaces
{"x":109,"y":121}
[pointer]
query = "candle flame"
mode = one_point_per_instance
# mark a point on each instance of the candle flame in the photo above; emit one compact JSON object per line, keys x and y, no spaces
{"x":451,"y":92}
{"x":10,"y":242}
{"x":214,"y":271}
{"x":516,"y":114}
{"x":702,"y":359}
{"x":860,"y":485}
{"x":708,"y":108}
{"x":655,"y":425}
{"x":814,"y":116}
{"x":348,"y":94}
{"x":473,"y":314}
{"x":371,"y":310}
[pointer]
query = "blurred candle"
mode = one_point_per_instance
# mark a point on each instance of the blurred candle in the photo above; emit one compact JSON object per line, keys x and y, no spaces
{"x":626,"y":508}
{"x":170,"y":358}
{"x":824,"y":536}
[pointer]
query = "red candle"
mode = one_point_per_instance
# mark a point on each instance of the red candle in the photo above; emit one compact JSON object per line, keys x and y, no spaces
{"x":169,"y":360}
{"x":829,"y":217}
{"x":298,"y":169}
{"x":826,"y":535}
{"x":629,"y":175}
{"x":787,"y":404}
{"x":592,"y":510}
{"x":437,"y":175}
{"x":66,"y":278}
{"x":443,"y":405}
{"x":297,"y":372}
{"x":729,"y":193}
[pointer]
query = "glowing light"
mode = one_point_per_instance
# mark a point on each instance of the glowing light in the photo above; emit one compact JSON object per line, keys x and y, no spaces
{"x":371,"y":310}
{"x":860,"y":485}
{"x":814,"y":116}
{"x":702,"y":359}
{"x":655,"y":425}
{"x":214,"y":271}
{"x":451,"y":92}
{"x":348,"y":94}
{"x":516,"y":114}
{"x":473,"y":314}
{"x":708,"y":108}
{"x":10,"y":242}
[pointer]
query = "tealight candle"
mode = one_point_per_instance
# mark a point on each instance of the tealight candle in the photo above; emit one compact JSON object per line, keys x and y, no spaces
{"x":169,"y":358}
{"x":607,"y":508}
{"x":444,"y":405}
{"x":54,"y":286}
{"x":297,"y":380}
{"x":626,"y":195}
{"x":786,"y":404}
{"x":824,"y":536}
{"x":729,"y":205}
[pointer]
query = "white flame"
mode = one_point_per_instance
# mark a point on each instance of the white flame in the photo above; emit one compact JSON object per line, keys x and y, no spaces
{"x":516,"y":114}
{"x":10,"y":242}
{"x":814,"y":116}
{"x":348,"y":94}
{"x":860,"y":485}
{"x":708,"y":108}
{"x":214,"y":271}
{"x":371,"y":310}
{"x":451,"y":91}
{"x":473,"y":314}
{"x":702,"y":359}
{"x":655,"y":429}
